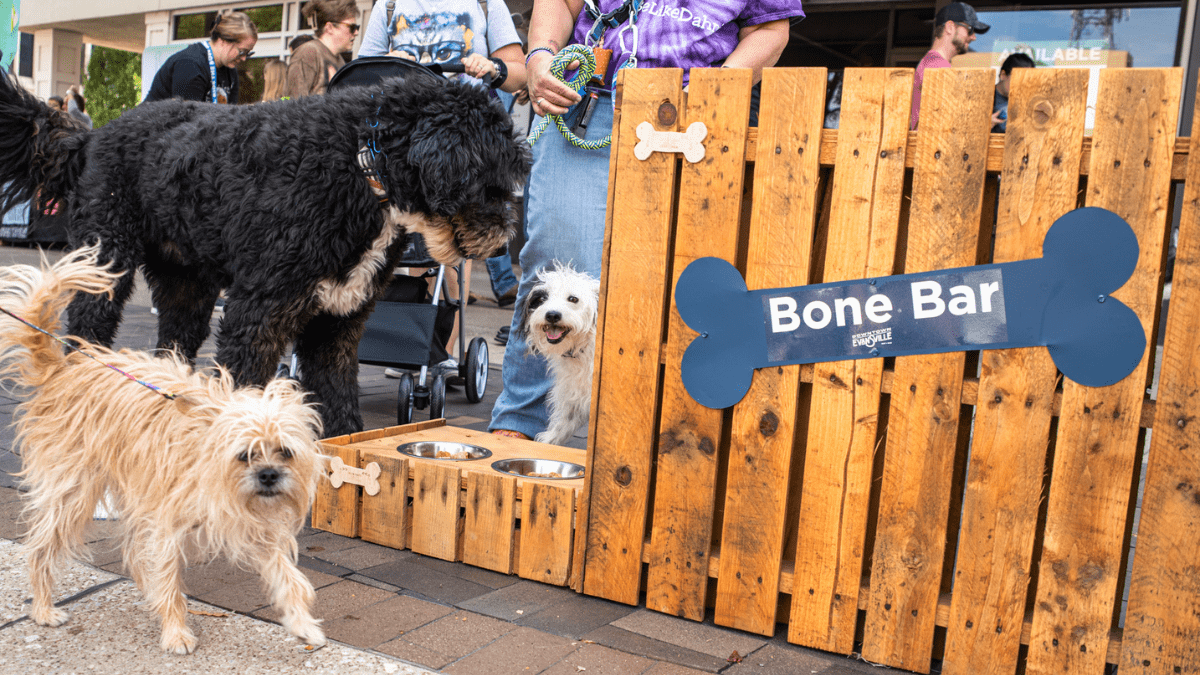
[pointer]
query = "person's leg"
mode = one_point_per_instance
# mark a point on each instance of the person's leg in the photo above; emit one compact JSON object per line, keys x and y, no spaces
{"x":565,"y":205}
{"x":504,"y":284}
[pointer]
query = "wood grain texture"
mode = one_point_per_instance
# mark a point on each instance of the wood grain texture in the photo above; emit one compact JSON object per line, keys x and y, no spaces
{"x":1162,"y":625}
{"x":1012,"y":421}
{"x":867,"y":189}
{"x":579,"y":555}
{"x":385,"y":515}
{"x":709,"y":205}
{"x":625,"y":402}
{"x":764,"y":423}
{"x":1136,"y":113}
{"x":436,"y":501}
{"x":547,"y":524}
{"x":490,"y":522}
{"x":336,"y":510}
{"x":948,"y":178}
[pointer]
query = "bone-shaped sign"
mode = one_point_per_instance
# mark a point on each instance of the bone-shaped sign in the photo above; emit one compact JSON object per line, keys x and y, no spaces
{"x":1060,"y":301}
{"x":368,"y":477}
{"x":690,"y":142}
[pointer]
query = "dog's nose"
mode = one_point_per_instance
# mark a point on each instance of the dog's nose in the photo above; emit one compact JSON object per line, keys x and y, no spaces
{"x":268,"y":477}
{"x":554,"y":317}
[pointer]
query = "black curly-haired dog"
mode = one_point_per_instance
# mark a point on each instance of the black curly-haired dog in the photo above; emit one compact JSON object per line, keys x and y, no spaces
{"x":270,"y":203}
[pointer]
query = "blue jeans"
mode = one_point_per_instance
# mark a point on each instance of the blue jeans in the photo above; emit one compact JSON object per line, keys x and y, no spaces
{"x":500,"y":271}
{"x":564,"y":221}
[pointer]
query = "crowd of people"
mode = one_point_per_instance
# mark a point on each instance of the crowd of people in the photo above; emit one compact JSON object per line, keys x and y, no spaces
{"x":479,"y":38}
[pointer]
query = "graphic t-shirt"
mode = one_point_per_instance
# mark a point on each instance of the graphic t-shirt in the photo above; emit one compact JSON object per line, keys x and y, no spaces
{"x":438,"y":31}
{"x":683,"y":33}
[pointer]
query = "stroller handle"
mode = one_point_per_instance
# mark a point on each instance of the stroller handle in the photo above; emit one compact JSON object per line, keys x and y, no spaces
{"x":457,"y":68}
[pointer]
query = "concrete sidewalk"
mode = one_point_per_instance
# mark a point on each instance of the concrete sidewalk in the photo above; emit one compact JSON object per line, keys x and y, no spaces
{"x":385,"y":611}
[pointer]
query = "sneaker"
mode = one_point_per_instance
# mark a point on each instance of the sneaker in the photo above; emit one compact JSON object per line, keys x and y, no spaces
{"x":507,"y":298}
{"x":220,"y":306}
{"x":393,"y":373}
{"x":502,"y":335}
{"x":449,"y":367}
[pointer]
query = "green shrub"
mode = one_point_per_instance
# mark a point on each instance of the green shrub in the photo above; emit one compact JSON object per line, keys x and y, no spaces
{"x":113,"y":84}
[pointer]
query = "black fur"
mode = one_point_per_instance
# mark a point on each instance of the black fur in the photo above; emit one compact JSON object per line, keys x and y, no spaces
{"x":264,"y":201}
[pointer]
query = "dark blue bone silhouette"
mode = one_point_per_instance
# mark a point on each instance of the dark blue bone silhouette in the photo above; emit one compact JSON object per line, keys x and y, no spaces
{"x":1060,"y":301}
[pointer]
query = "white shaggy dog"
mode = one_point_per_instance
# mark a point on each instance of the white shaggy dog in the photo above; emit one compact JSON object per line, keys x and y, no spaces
{"x":558,"y":321}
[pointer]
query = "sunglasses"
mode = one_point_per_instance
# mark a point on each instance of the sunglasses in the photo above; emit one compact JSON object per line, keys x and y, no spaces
{"x":245,"y":53}
{"x":969,"y":27}
{"x":352,"y":26}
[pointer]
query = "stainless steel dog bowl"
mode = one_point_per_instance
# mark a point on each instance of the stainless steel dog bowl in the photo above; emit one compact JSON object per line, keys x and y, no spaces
{"x":454,"y":452}
{"x":539,"y":468}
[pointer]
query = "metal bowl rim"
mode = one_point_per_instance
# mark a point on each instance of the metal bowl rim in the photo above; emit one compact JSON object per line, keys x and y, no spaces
{"x":582,"y":469}
{"x":485,"y":453}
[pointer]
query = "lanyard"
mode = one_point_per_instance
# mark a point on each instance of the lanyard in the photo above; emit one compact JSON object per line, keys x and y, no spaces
{"x":212,"y":70}
{"x":627,"y":11}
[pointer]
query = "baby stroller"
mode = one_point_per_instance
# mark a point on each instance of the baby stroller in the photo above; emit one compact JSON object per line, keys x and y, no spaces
{"x":409,"y":324}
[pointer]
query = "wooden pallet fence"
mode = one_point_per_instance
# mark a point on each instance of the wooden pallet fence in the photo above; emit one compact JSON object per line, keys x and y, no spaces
{"x":968,"y":508}
{"x":456,"y":510}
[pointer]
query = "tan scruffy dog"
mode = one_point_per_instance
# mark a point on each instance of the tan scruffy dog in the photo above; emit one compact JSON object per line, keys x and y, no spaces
{"x":221,"y":470}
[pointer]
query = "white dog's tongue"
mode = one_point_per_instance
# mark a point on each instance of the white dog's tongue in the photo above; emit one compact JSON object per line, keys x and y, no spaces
{"x":554,"y":333}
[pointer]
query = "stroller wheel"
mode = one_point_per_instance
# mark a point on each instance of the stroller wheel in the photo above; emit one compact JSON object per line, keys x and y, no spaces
{"x":437,"y":397}
{"x":404,"y":399}
{"x":476,"y":370}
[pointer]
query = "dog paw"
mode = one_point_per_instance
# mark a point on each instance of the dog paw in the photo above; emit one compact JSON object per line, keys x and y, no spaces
{"x":52,"y":617}
{"x":179,"y":641}
{"x":309,"y":630}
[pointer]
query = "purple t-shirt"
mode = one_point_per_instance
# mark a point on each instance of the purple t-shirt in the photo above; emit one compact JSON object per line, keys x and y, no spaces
{"x":684,"y":33}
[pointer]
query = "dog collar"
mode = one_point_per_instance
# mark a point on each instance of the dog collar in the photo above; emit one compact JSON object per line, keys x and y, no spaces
{"x":366,"y":164}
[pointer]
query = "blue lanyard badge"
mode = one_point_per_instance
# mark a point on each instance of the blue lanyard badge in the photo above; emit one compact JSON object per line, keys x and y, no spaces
{"x":212,"y":70}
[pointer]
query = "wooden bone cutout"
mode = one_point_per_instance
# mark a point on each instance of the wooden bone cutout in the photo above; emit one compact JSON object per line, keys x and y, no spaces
{"x":688,"y":142}
{"x":367,"y":478}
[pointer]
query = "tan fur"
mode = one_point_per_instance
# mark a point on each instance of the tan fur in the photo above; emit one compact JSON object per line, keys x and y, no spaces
{"x":173,"y":467}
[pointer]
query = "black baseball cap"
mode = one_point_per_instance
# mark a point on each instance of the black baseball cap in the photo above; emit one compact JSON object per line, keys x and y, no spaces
{"x":960,"y":12}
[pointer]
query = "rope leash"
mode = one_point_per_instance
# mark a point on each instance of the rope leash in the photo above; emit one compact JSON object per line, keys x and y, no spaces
{"x":577,"y":84}
{"x":160,"y":392}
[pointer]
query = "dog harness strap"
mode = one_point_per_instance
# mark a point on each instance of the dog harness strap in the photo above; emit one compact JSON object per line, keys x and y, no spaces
{"x":73,"y":348}
{"x":366,"y":162}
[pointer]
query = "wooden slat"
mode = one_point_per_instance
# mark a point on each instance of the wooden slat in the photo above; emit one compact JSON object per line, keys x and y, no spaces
{"x":1134,"y":136}
{"x":1162,"y":626}
{"x":924,"y":415}
{"x":764,"y":423}
{"x":436,"y":500}
{"x":995,"y":152}
{"x":490,"y":521}
{"x":867,"y":191}
{"x":547,"y":523}
{"x":709,"y":205}
{"x":581,"y":513}
{"x":336,"y":510}
{"x":385,"y":515}
{"x":1047,"y":108}
{"x":635,"y":304}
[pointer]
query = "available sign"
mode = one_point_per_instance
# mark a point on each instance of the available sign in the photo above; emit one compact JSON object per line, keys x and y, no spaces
{"x":1060,"y":301}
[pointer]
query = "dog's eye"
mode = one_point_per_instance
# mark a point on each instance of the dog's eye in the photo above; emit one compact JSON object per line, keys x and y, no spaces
{"x":572,"y":299}
{"x":244,"y":456}
{"x":287,"y":453}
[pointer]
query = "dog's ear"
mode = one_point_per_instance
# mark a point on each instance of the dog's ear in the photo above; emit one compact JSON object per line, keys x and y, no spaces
{"x":444,"y":159}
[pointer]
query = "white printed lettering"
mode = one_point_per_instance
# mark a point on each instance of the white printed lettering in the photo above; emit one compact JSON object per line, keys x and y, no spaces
{"x":879,"y":308}
{"x":927,"y":293}
{"x":817,"y":306}
{"x":783,"y":315}
{"x":963,"y":301}
{"x":842,"y":304}
{"x":986,"y":291}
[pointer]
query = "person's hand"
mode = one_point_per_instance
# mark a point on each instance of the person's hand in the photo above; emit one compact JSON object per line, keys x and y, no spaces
{"x":549,"y":94}
{"x":401,"y":54}
{"x":996,"y":118}
{"x":478,"y":65}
